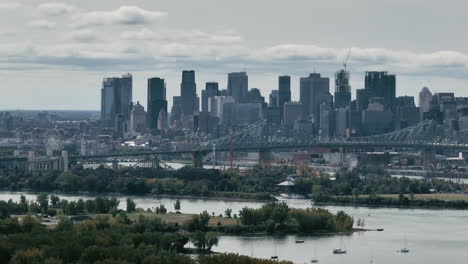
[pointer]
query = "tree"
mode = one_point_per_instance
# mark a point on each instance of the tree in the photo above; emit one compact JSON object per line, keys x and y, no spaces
{"x":54,"y":200}
{"x":43,"y":200}
{"x":131,"y":205}
{"x":199,"y":240}
{"x":30,"y":256}
{"x":177,"y":205}
{"x":211,"y":239}
{"x":228,"y":212}
{"x":65,"y":224}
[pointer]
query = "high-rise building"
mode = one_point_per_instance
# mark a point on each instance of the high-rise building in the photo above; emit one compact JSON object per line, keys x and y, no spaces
{"x":292,"y":112}
{"x":362,"y":99}
{"x":284,"y":88}
{"x":138,"y":118}
{"x":188,"y":92}
{"x":162,"y":120}
{"x":314,"y":90}
{"x":211,"y":90}
{"x":405,"y":101}
{"x":116,"y":101}
{"x":381,"y":84}
{"x":425,"y":98}
{"x":273,"y":116}
{"x":176,"y":111}
{"x":274,"y":98}
{"x":327,"y":123}
{"x":342,"y":89}
{"x":255,"y":96}
{"x":341,"y":122}
{"x":238,"y":86}
{"x":156,"y":100}
{"x":218,"y":106}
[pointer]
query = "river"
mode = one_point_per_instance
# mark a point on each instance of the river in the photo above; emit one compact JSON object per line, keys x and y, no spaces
{"x":433,"y":236}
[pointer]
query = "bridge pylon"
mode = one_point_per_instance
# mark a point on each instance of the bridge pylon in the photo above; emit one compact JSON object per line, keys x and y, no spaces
{"x":197,"y":159}
{"x":264,"y":156}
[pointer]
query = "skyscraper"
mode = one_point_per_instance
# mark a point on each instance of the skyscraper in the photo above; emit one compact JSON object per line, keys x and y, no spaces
{"x":116,"y":100}
{"x":138,"y":118}
{"x":238,"y":86}
{"x":156,"y":100}
{"x":284,"y":88}
{"x":188,"y":92}
{"x":314,"y":90}
{"x":342,"y":89}
{"x":425,"y":97}
{"x":211,"y":90}
{"x":381,"y":84}
{"x":274,"y":98}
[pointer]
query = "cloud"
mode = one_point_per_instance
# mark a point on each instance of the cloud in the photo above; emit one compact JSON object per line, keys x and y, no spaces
{"x":56,"y":8}
{"x":84,"y":35}
{"x":124,"y":15}
{"x":193,"y":36}
{"x":42,"y":24}
{"x":10,"y":5}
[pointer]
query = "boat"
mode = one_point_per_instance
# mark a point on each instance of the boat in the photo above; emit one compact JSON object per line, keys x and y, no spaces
{"x":274,"y":256}
{"x":340,"y":250}
{"x":405,"y":248}
{"x":380,"y":229}
{"x":299,"y":241}
{"x":314,"y":260}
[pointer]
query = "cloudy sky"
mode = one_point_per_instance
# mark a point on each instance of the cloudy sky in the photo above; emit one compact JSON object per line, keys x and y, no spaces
{"x":53,"y":55}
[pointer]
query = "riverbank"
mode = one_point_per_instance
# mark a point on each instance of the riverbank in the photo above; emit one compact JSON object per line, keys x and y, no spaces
{"x":224,"y":196}
{"x":422,"y":201}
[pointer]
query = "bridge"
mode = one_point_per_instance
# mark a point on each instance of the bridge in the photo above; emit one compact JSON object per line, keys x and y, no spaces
{"x":428,"y":136}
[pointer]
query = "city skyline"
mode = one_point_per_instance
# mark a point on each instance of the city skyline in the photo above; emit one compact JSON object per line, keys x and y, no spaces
{"x":65,"y":48}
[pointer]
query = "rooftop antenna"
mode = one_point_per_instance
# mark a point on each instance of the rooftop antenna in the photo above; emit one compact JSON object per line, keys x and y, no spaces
{"x":345,"y":62}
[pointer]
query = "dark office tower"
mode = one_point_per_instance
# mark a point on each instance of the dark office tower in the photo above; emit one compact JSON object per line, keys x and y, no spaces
{"x":211,"y":90}
{"x":342,"y":89}
{"x":381,"y":84}
{"x":156,"y":100}
{"x":314,"y":90}
{"x":362,"y":99}
{"x":255,"y":96}
{"x":238,"y":86}
{"x":284,"y":87}
{"x":116,"y":99}
{"x":274,"y":98}
{"x":188,"y":92}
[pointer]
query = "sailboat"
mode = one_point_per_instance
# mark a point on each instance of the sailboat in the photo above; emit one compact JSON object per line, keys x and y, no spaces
{"x":404,"y":249}
{"x":314,"y":260}
{"x":340,"y":250}
{"x":274,"y":256}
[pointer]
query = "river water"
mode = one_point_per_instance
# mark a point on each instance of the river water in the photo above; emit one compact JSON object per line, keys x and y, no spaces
{"x":433,"y":236}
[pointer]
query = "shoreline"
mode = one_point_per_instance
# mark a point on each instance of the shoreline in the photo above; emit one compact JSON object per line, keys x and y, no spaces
{"x":243,"y":197}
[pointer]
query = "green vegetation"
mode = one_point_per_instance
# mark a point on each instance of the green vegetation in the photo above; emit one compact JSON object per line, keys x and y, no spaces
{"x":101,"y":240}
{"x":116,"y":236}
{"x":372,"y":186}
{"x":236,"y":259}
{"x":255,"y":183}
{"x":278,"y":217}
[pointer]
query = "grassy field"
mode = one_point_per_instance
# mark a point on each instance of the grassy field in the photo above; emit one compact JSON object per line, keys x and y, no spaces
{"x":183,"y":218}
{"x":429,"y":196}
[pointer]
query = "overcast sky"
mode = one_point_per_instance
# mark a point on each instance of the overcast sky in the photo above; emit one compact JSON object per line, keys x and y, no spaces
{"x":53,"y":55}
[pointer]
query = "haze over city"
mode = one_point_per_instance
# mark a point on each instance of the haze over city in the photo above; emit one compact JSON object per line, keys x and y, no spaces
{"x":56,"y":53}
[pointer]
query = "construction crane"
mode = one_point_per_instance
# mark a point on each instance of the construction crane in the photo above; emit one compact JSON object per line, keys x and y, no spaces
{"x":345,"y":62}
